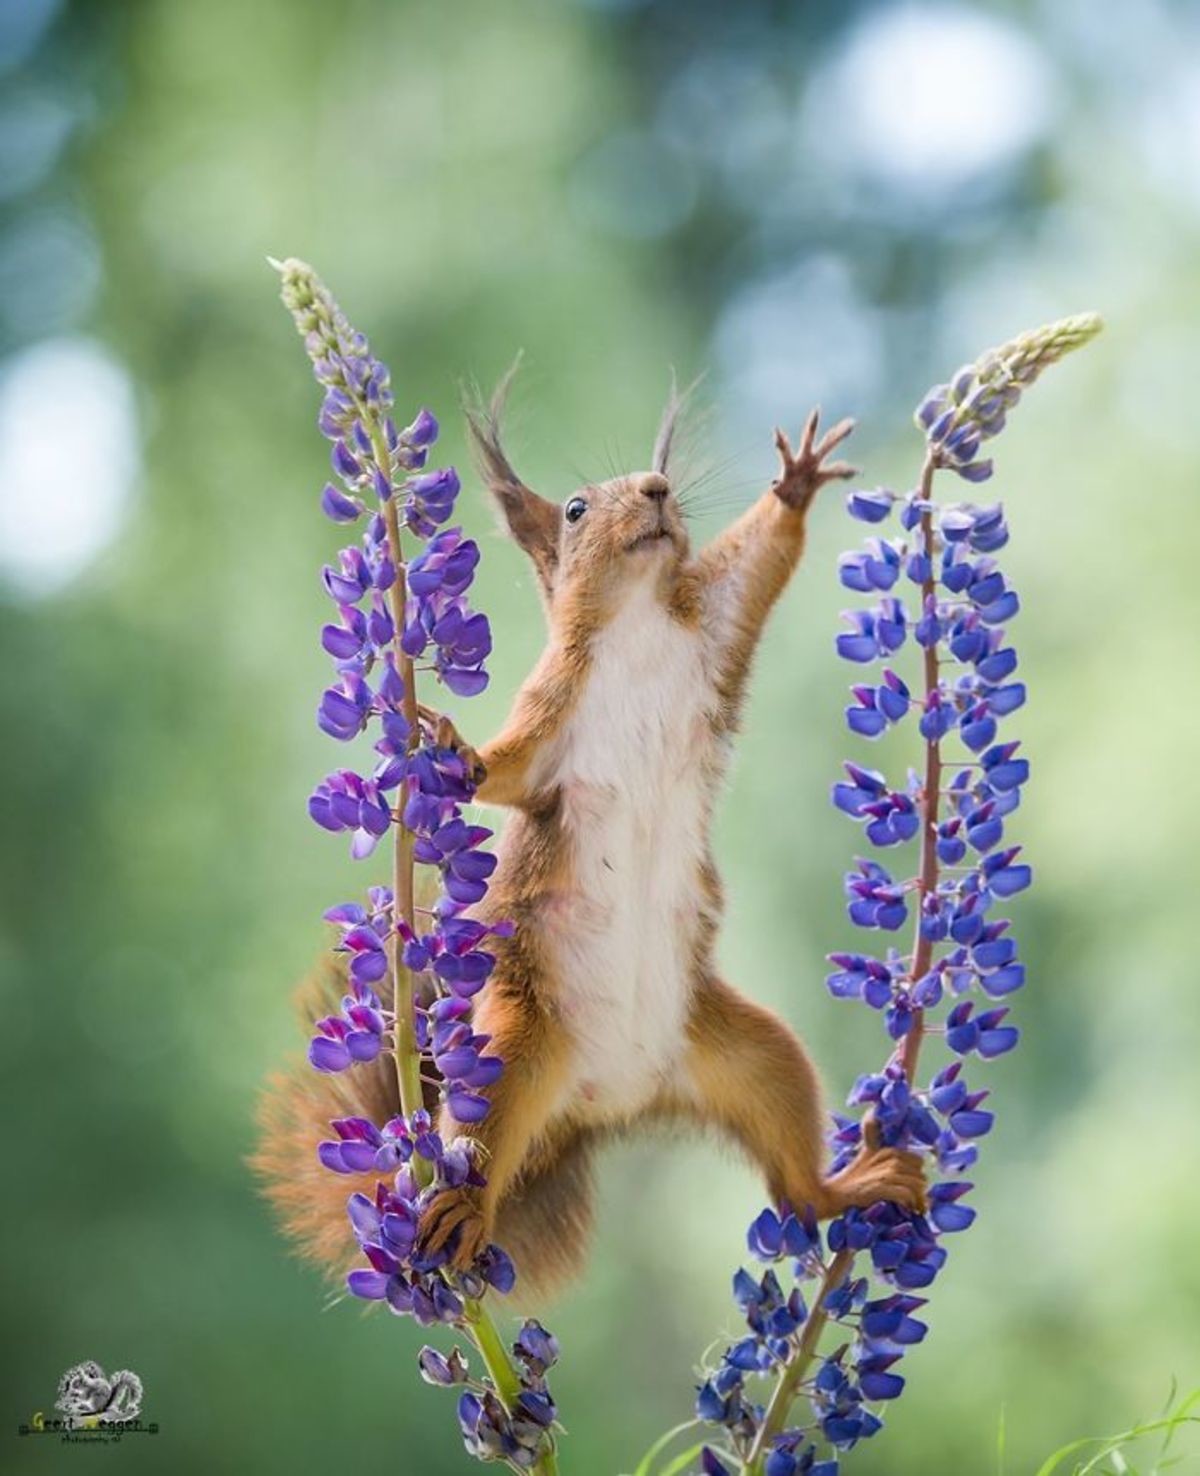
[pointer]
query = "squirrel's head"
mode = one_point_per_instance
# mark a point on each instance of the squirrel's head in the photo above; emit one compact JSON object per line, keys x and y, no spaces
{"x":601,"y":535}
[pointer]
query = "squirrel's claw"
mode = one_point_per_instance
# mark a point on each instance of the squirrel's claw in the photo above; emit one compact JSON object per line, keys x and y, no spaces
{"x":446,"y":735}
{"x":453,"y":1222}
{"x":833,"y":438}
{"x":808,"y":434}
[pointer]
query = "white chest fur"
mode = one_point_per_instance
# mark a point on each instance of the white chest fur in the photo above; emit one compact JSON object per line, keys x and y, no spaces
{"x":635,"y":795}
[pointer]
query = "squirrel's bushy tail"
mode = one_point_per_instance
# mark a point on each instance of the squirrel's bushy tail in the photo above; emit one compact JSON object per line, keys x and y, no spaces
{"x":295,"y":1108}
{"x":543,"y":1223}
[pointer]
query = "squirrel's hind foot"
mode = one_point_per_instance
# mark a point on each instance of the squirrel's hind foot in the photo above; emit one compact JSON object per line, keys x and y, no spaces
{"x":879,"y":1173}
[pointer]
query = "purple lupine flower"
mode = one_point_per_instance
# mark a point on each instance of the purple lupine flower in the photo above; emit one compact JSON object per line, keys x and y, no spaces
{"x":447,"y":564}
{"x":438,"y":615}
{"x":356,"y":1035}
{"x":437,"y":1368}
{"x":536,"y":1348}
{"x":429,"y":500}
{"x":877,"y":708}
{"x":456,"y":849}
{"x":338,"y":507}
{"x":870,"y":507}
{"x":492,"y":1434}
{"x":959,"y":416}
{"x":361,"y":1147}
{"x":382,"y":483}
{"x":422,"y":432}
{"x":875,"y":567}
{"x":345,"y":800}
{"x":876,"y":901}
{"x":963,"y":960}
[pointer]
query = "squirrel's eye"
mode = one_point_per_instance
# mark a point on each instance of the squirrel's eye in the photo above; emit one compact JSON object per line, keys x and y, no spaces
{"x":575,"y":509}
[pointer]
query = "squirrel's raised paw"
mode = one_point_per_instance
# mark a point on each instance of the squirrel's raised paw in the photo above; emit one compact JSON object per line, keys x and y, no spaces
{"x":453,"y":1222}
{"x":804,"y":471}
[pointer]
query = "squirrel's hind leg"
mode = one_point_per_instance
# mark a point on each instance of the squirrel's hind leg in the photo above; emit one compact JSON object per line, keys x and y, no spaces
{"x":545,"y":1219}
{"x":750,"y":1076}
{"x":520,"y":1107}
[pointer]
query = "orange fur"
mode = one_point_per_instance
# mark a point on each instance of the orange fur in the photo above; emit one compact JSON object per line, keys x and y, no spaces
{"x":756,"y":1082}
{"x":738,"y":1053}
{"x":294,"y":1112}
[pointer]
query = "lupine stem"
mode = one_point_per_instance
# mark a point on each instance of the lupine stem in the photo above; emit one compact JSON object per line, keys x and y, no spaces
{"x":491,"y":1346}
{"x":928,"y":880}
{"x":504,"y":1376}
{"x":792,"y":1375}
{"x":408,"y":1064}
{"x":408,"y":1061}
{"x":484,"y":1333}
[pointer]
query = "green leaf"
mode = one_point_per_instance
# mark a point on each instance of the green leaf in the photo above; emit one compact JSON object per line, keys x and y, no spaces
{"x":1112,"y":1445}
{"x":646,"y":1465}
{"x":1178,"y":1418}
{"x":681,"y":1462}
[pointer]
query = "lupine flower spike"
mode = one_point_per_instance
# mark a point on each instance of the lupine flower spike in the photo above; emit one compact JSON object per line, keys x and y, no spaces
{"x":410,"y":973}
{"x":824,"y":1393}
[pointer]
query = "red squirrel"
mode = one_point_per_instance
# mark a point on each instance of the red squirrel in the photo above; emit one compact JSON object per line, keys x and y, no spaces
{"x":606,"y":1002}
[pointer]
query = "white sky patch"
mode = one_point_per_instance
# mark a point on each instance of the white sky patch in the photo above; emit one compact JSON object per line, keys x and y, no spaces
{"x":1170,"y":134}
{"x":930,"y":96}
{"x":69,"y":457}
{"x":800,"y":338}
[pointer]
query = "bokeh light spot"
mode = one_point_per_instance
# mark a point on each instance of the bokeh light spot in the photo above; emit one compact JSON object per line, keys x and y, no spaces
{"x":22,"y":25}
{"x":49,"y":272}
{"x":928,"y":97}
{"x":34,"y":126}
{"x":1170,"y":134}
{"x":68,"y":460}
{"x":796,"y":339}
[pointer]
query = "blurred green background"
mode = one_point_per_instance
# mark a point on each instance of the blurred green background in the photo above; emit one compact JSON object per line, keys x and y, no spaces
{"x":811,"y":202}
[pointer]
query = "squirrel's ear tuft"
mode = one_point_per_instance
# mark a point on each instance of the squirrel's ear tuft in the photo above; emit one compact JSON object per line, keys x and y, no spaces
{"x":532,"y":520}
{"x":665,"y":441}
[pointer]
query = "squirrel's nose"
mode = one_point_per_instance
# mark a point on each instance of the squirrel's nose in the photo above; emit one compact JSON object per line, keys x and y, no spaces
{"x":654,"y":486}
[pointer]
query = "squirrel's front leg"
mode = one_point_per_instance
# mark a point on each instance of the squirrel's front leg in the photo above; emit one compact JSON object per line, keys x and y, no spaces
{"x":498,"y":770}
{"x":506,"y":769}
{"x":463,"y":1220}
{"x":762,"y":547}
{"x":745,"y":569}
